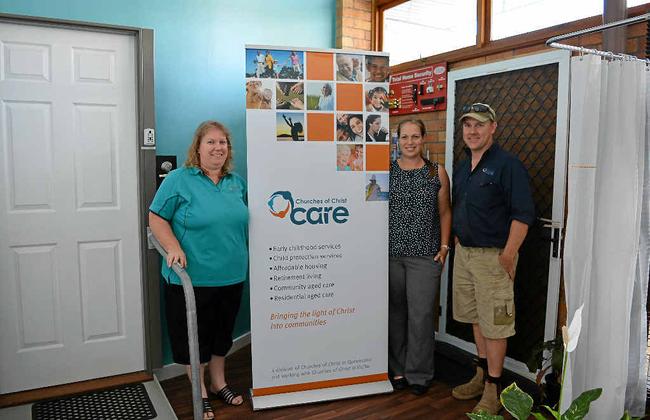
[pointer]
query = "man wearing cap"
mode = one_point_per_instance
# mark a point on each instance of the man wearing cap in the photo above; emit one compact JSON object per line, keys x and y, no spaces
{"x":492,"y":209}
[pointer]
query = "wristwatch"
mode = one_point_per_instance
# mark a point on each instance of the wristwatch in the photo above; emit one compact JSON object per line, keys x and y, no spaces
{"x":445,"y":247}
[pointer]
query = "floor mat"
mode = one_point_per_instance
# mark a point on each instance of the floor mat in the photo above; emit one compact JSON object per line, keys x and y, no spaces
{"x":130,"y":402}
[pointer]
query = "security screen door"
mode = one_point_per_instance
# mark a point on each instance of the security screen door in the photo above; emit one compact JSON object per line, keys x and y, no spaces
{"x":530,"y":96}
{"x":70,"y":269}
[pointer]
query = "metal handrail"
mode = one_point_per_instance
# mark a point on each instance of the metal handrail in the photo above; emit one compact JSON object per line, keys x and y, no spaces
{"x":192,"y":329}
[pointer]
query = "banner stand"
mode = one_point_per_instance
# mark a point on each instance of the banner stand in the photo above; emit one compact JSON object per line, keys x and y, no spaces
{"x":320,"y":395}
{"x":318,"y":157}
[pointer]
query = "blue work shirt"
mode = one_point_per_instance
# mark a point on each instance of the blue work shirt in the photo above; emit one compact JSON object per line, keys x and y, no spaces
{"x":487,"y":199}
{"x":209,"y":221}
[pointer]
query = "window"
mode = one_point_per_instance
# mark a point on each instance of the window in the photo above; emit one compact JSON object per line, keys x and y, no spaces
{"x":514,"y":17}
{"x":421,"y":28}
{"x":413,"y":29}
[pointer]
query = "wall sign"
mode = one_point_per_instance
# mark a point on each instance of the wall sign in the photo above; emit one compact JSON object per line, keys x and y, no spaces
{"x":419,"y":90}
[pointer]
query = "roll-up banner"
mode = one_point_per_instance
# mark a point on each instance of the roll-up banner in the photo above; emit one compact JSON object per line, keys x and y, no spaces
{"x":318,"y":159}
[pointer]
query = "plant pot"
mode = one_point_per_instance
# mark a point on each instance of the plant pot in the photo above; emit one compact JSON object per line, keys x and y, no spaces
{"x":551,"y":390}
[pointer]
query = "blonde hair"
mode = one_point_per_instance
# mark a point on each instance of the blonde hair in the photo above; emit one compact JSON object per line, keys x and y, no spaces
{"x":193,"y":158}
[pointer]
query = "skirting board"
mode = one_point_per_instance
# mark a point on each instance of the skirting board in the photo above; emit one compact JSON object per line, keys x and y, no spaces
{"x":174,"y":369}
{"x":319,"y":395}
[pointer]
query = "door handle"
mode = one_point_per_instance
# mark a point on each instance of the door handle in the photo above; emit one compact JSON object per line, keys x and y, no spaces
{"x":556,"y":235}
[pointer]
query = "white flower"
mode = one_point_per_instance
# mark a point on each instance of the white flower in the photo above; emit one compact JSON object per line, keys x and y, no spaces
{"x":570,"y":335}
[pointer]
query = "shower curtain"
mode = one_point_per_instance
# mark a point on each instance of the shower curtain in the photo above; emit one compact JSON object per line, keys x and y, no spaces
{"x":606,"y":247}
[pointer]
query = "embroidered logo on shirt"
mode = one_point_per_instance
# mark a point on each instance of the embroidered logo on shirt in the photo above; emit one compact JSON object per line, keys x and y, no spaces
{"x":488,"y":171}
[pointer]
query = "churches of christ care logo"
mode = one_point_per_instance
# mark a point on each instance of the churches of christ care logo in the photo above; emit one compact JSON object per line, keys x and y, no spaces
{"x":319,"y":212}
{"x":280,"y":203}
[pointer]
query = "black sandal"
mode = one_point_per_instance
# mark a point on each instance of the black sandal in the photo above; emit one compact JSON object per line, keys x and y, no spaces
{"x":227,"y":395}
{"x":207,"y":409}
{"x":399,"y":383}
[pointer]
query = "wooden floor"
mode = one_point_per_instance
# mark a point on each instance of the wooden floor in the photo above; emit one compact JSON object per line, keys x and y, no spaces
{"x":436,"y":404}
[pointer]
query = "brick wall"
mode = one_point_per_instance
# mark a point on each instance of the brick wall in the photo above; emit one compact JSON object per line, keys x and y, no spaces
{"x":435,"y":123}
{"x":354,"y":24}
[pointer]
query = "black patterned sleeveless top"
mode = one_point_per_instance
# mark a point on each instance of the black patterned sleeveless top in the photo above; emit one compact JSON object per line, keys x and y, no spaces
{"x":413,"y":219}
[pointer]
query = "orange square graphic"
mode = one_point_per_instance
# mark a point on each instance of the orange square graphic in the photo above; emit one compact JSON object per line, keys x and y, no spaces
{"x":320,"y":127}
{"x":320,"y":66}
{"x":349,"y":96}
{"x":377,"y":157}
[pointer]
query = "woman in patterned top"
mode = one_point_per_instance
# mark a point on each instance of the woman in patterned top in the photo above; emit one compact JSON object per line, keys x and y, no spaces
{"x":419,"y":231}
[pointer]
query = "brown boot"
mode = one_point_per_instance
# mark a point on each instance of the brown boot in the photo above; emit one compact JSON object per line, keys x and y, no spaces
{"x":490,"y":402}
{"x":471,"y":389}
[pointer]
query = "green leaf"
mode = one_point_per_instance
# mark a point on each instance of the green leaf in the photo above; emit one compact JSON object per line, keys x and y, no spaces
{"x":539,"y":416}
{"x":626,"y":416}
{"x":580,"y":406}
{"x":483,"y":416}
{"x":517,"y":402}
{"x":535,"y":360}
{"x":554,"y":413}
{"x":538,"y":360}
{"x":557,"y":359}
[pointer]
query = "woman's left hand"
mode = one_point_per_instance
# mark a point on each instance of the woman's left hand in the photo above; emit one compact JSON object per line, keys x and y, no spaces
{"x":441,"y":256}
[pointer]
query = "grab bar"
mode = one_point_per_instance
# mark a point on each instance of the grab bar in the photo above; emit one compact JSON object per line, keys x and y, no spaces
{"x":192,"y":330}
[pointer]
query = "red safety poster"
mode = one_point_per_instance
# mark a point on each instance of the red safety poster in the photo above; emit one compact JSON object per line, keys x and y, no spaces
{"x":419,"y":90}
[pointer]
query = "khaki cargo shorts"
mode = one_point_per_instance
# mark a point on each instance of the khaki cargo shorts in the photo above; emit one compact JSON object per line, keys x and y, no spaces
{"x":483,"y":292}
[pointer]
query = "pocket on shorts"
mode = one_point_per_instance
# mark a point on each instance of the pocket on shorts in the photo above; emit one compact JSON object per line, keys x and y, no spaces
{"x":499,"y":270}
{"x":504,"y":309}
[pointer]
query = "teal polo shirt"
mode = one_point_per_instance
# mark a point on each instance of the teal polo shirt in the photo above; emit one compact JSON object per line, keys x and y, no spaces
{"x":210,"y":222}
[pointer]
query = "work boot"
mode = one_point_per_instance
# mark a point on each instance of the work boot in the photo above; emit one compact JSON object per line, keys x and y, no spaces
{"x":490,"y":402}
{"x":471,"y":389}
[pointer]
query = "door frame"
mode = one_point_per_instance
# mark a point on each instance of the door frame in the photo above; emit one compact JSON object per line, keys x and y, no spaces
{"x":562,"y":58}
{"x":146,"y":166}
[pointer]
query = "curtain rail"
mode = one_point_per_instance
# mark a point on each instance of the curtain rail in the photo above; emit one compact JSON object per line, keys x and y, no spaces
{"x":554,"y":41}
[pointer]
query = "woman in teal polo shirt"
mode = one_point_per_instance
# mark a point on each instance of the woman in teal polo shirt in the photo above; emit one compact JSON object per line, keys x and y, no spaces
{"x":200,"y":217}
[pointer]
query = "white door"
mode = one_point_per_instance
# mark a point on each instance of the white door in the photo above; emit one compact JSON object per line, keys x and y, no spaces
{"x":70,"y":276}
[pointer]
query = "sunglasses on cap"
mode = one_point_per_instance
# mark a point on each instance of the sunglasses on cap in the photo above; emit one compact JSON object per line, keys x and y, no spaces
{"x":477,"y":108}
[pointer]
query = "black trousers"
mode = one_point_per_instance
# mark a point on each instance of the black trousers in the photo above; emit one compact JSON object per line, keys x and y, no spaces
{"x":216,"y":311}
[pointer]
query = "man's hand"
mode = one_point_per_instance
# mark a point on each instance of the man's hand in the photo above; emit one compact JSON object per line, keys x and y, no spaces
{"x":507,"y":261}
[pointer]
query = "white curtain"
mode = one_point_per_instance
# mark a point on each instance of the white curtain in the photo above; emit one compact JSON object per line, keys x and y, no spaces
{"x":635,"y":395}
{"x":606,"y":247}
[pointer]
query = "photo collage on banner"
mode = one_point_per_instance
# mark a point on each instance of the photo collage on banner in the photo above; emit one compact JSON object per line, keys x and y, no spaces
{"x":342,"y":98}
{"x":318,"y":155}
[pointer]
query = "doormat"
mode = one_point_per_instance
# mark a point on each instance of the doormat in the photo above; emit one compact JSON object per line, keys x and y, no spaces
{"x":130,"y":402}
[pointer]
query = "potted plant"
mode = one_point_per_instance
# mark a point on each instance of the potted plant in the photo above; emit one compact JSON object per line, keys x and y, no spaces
{"x":546,"y":361}
{"x":519,"y":404}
